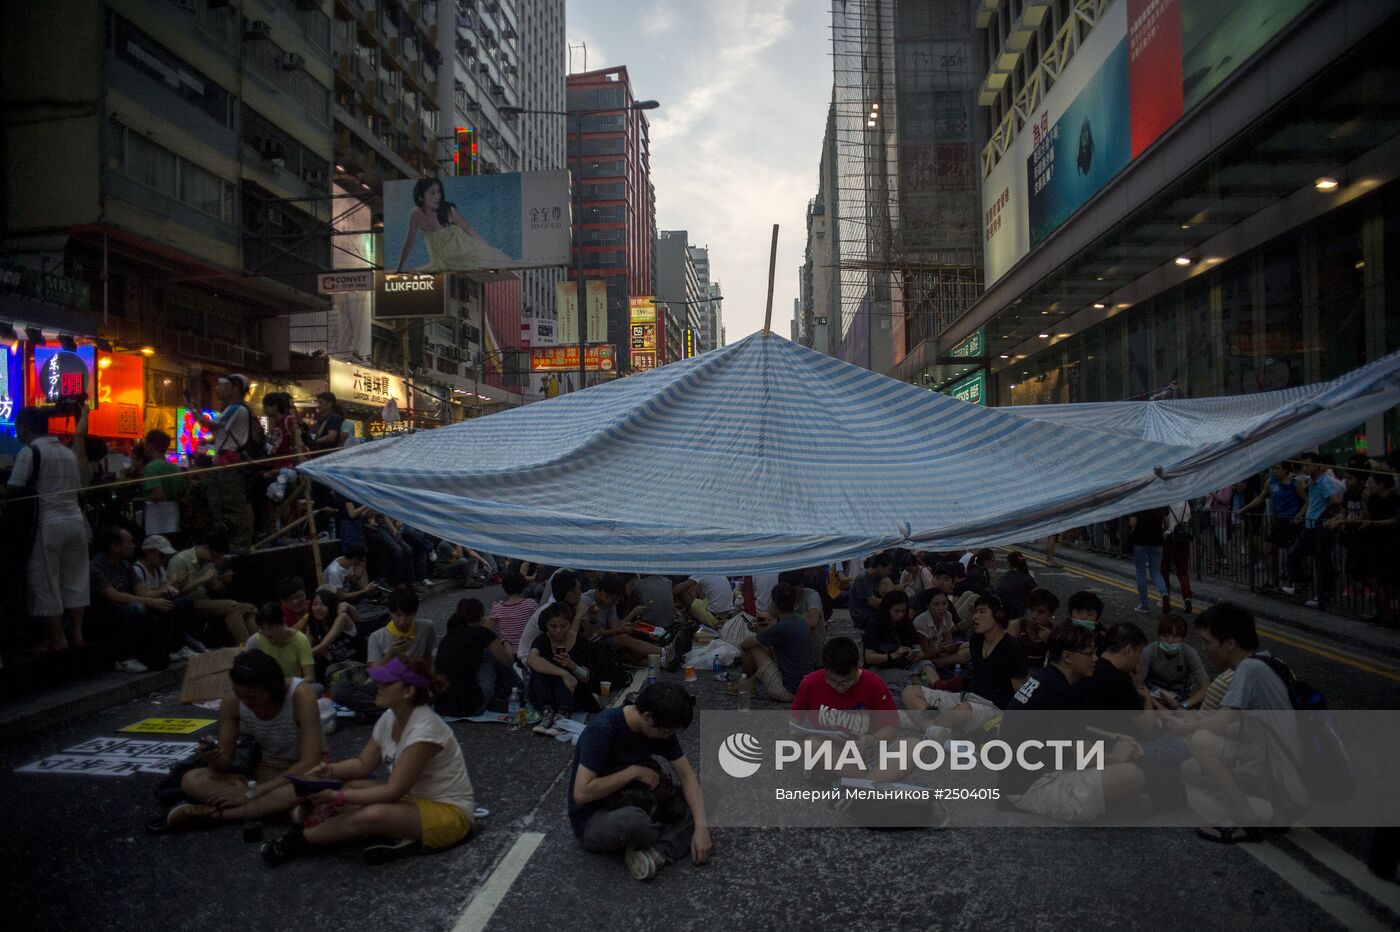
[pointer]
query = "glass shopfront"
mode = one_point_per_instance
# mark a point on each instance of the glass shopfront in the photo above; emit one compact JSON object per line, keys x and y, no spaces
{"x":1306,"y":307}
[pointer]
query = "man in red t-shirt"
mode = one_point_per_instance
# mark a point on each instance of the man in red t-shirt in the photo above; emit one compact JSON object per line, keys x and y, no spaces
{"x":842,"y":701}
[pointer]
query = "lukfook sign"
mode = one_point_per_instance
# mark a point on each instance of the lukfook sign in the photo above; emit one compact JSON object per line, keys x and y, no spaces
{"x":409,"y":295}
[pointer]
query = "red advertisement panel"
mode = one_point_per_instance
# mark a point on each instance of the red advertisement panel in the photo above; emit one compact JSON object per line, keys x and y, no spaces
{"x":1154,"y":69}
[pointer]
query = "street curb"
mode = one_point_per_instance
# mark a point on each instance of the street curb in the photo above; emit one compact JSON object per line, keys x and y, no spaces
{"x":94,"y":700}
{"x":1259,"y":603}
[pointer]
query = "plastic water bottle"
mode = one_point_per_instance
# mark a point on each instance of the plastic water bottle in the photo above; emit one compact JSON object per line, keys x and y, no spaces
{"x":252,"y":828}
{"x":651,"y":670}
{"x":958,"y":671}
{"x":745,"y":702}
{"x":718,"y":669}
{"x":514,"y":709}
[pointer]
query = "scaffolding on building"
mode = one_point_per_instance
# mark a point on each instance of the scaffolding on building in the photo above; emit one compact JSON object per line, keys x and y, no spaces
{"x":907,"y":202}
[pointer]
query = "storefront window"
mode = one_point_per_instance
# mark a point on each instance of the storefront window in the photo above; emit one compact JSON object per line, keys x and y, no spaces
{"x":1284,"y":345}
{"x":1340,"y":304}
{"x":1167,"y":362}
{"x":1113,"y":360}
{"x":1091,"y":369}
{"x":1237,"y":321}
{"x":1140,"y":383}
{"x":1200,"y":340}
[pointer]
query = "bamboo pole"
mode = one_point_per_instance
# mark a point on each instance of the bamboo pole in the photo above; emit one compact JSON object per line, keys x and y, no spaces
{"x":772,"y":270}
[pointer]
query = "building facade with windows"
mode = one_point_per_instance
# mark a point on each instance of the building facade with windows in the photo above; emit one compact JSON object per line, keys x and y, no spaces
{"x":615,"y":236}
{"x":176,"y":159}
{"x":1186,"y":199}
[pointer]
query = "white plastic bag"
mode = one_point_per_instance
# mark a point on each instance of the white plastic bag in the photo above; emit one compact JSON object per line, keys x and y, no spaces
{"x":703,"y":658}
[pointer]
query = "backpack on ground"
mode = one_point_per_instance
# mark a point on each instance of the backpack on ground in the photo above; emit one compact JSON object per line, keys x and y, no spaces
{"x":1323,"y":762}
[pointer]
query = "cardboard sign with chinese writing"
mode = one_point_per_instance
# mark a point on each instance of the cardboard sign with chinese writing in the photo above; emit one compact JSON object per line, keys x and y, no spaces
{"x":114,"y":757}
{"x":169,"y":726}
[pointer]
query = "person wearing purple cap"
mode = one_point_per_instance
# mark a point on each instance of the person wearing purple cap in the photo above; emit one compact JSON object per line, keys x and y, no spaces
{"x":427,"y":799}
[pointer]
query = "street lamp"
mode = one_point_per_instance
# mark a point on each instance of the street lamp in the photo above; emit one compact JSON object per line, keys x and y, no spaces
{"x":578,"y":211}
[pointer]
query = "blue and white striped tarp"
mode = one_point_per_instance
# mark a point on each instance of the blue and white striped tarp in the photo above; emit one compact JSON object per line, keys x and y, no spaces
{"x":765,"y":455}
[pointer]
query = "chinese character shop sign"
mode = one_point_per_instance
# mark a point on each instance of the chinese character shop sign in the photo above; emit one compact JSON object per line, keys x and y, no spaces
{"x":59,"y":373}
{"x":565,"y":358}
{"x":365,"y":386}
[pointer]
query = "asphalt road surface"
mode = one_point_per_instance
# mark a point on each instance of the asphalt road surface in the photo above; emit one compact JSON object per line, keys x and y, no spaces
{"x":79,"y":858}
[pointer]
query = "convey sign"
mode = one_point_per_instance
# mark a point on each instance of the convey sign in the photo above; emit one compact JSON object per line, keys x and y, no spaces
{"x":334,"y":282}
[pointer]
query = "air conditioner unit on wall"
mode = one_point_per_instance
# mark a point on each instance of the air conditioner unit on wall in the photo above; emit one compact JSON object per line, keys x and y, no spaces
{"x":291,"y":61}
{"x":257,"y":29}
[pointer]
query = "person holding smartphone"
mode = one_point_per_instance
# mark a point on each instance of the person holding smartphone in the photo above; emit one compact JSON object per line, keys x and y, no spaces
{"x":560,"y":682}
{"x":279,"y":713}
{"x":893,"y":650}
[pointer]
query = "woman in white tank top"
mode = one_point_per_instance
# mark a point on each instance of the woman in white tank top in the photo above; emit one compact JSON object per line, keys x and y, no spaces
{"x":282,"y":718}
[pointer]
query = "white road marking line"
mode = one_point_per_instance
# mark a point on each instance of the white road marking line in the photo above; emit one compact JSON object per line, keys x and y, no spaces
{"x":1349,"y":914}
{"x":1355,"y":873}
{"x":483,"y":906}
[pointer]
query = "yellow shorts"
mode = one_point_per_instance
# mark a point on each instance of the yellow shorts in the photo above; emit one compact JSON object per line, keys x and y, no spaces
{"x":443,"y":823}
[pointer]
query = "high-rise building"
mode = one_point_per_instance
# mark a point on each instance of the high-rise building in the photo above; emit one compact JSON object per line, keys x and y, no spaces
{"x":903,"y":200}
{"x":714,"y":312}
{"x":167,"y":177}
{"x":700,"y":255}
{"x":822,"y":253}
{"x":542,"y":142}
{"x":678,"y":289}
{"x":615,"y":235}
{"x":1187,"y":198}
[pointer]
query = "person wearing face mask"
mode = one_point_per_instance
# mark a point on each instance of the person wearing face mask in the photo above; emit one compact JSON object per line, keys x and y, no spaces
{"x":1171,"y":670}
{"x":1086,"y":611}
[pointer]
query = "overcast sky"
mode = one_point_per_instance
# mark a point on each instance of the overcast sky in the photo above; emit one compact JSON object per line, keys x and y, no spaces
{"x":744,"y":87}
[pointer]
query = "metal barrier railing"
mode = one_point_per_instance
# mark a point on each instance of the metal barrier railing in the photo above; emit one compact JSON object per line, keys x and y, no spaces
{"x":1346,"y":570}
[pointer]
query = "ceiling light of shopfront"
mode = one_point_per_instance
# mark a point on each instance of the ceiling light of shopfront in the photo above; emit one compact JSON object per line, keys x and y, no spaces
{"x":1044,"y":336}
{"x":1062,"y":336}
{"x":105,"y":362}
{"x":1360,"y":264}
{"x":1186,"y":226}
{"x":1326,"y":183}
{"x":169,"y":381}
{"x":1182,"y":260}
{"x":1004,"y":356}
{"x":148,"y":351}
{"x":1124,"y":306}
{"x":1099,"y":305}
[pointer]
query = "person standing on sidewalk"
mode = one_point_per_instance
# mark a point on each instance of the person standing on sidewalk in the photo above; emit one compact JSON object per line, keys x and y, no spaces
{"x":1176,"y":552}
{"x":234,"y":435}
{"x":1145,"y":537}
{"x":57,"y":570}
{"x":1325,"y":493}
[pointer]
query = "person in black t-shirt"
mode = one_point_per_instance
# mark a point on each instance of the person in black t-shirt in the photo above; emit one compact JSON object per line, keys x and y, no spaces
{"x":476,"y":661}
{"x":329,"y":429}
{"x":615,"y":798}
{"x":998,"y":669}
{"x":559,"y":660}
{"x":1111,"y":687}
{"x":1067,"y":795}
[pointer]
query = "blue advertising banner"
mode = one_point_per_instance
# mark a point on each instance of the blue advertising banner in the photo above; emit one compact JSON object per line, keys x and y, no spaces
{"x":1077,"y":155}
{"x":476,"y":223}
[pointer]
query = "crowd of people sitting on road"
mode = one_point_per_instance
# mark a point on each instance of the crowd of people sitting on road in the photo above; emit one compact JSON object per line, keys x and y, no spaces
{"x":955,"y":644}
{"x":934,"y":655}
